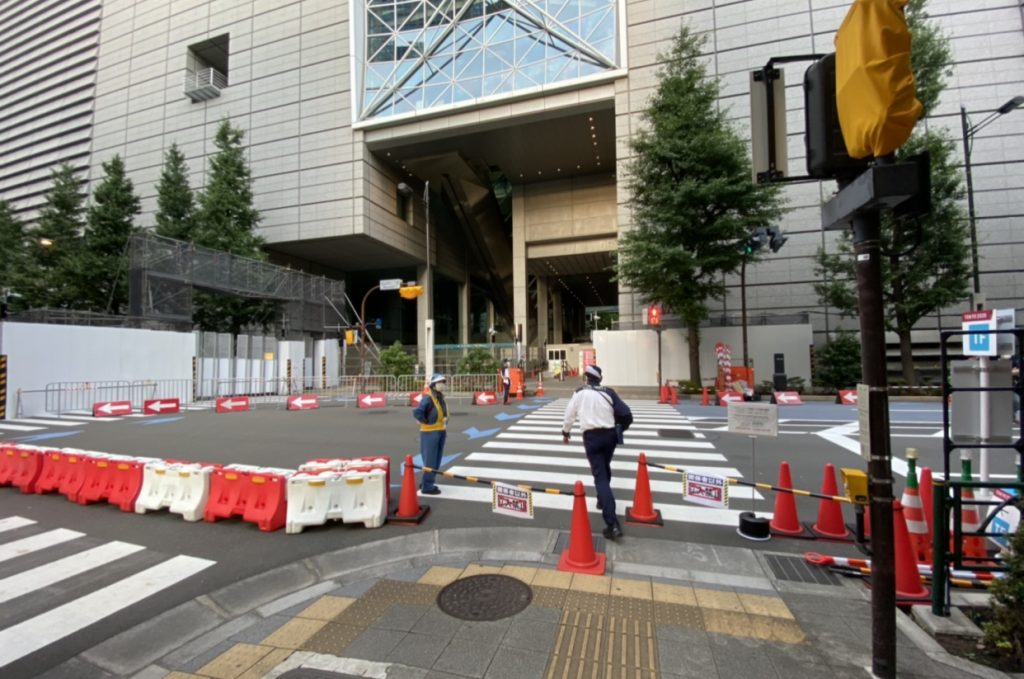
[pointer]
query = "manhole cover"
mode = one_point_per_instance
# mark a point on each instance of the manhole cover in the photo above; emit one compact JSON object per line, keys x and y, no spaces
{"x":675,"y":434}
{"x":484,"y":597}
{"x":796,"y":569}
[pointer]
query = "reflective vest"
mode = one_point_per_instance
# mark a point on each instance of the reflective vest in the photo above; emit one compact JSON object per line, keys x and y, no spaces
{"x":442,"y":419}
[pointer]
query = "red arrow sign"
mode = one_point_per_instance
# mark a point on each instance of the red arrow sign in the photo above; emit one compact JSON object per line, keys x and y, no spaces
{"x":374,"y":400}
{"x":484,"y":398}
{"x":848,"y":397}
{"x":232,"y":404}
{"x":160,"y":406}
{"x":311,"y":402}
{"x":727,"y":397}
{"x":415,"y":398}
{"x":109,"y":408}
{"x":788,"y":398}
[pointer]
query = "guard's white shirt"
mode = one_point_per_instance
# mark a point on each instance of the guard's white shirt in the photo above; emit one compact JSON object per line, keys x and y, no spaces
{"x":593,"y":408}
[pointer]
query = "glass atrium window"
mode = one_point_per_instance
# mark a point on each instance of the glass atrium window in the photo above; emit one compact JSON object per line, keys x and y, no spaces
{"x":424,"y":54}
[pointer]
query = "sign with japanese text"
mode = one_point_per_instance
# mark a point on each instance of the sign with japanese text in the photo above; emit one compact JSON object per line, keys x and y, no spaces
{"x":511,"y":500}
{"x":702,"y":488}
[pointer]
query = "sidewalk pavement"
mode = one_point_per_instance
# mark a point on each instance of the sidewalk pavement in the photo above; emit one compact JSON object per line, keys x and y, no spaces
{"x":663,"y":609}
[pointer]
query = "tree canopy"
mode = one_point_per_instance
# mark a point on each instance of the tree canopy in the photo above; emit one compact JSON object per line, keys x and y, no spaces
{"x":52,"y":264}
{"x":175,"y":202}
{"x":693,"y":202}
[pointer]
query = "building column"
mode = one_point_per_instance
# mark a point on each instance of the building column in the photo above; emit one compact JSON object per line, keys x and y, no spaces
{"x":556,"y":317}
{"x":542,"y":315}
{"x":421,"y":318}
{"x":520,"y":277}
{"x":464,"y":312}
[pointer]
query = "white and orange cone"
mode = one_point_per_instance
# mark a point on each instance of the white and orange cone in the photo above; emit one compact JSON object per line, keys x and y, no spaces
{"x":913,"y":511}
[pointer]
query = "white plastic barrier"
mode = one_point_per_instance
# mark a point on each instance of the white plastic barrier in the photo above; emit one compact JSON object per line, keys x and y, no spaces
{"x":314,"y":498}
{"x":182,"y":487}
{"x":332,"y":489}
{"x":364,"y":492}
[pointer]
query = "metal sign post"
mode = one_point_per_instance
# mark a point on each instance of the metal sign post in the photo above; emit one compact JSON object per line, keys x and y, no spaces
{"x":754,"y":420}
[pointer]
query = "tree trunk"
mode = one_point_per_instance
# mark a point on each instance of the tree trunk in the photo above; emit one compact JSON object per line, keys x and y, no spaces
{"x":693,"y":342}
{"x":906,"y":357}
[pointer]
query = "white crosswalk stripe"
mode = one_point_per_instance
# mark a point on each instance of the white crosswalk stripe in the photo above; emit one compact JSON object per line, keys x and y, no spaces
{"x":530,"y":451}
{"x":17,"y":427}
{"x":43,"y":423}
{"x":35,"y":614}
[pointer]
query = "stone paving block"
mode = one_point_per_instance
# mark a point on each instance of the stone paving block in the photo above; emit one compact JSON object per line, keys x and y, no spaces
{"x":673,"y":594}
{"x":516,"y":663}
{"x":592,"y":584}
{"x":552,"y":578}
{"x":417,"y":650}
{"x":487,"y":631}
{"x":375,"y":644}
{"x":266,"y":664}
{"x":326,"y":607}
{"x":440,"y":575}
{"x":632,"y":588}
{"x":531,"y":634}
{"x":77,"y":669}
{"x":466,"y":658}
{"x":401,"y":617}
{"x":355,"y":589}
{"x":479,"y":569}
{"x":183,"y":675}
{"x":294,"y":633}
{"x":333,"y":638}
{"x":259,"y":631}
{"x":524,"y":573}
{"x":772,"y":606}
{"x":234,"y":661}
{"x":435,"y":622}
{"x":193,"y":664}
{"x":535,"y":612}
{"x":684,"y":655}
{"x":718,"y":600}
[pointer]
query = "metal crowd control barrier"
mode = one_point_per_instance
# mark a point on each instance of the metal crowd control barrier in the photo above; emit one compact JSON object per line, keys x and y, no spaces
{"x":62,"y":397}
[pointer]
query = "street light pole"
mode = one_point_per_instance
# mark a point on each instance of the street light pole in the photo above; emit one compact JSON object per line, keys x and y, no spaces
{"x":428,"y":290}
{"x":362,"y":330}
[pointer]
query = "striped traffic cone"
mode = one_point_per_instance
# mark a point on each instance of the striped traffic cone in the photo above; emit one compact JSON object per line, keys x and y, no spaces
{"x":973,"y":545}
{"x":927,"y":490}
{"x":908,"y":580}
{"x":913,"y":511}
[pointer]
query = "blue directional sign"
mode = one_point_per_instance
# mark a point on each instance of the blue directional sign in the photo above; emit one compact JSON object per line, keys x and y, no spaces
{"x":978,"y":341}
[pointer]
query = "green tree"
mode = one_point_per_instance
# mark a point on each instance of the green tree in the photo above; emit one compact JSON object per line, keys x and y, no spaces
{"x":51,"y":277}
{"x":926,"y":263}
{"x":175,"y":202}
{"x":103,"y":263}
{"x":478,"y":362}
{"x":12,"y":250}
{"x":395,"y":361}
{"x":226,"y":220}
{"x":838,"y":362}
{"x":1006,"y":630}
{"x":693,"y":201}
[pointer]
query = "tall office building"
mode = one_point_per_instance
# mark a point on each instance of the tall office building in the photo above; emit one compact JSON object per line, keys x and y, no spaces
{"x":512,"y":119}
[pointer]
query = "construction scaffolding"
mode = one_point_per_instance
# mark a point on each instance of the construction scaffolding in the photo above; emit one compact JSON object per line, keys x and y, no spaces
{"x":163,"y":273}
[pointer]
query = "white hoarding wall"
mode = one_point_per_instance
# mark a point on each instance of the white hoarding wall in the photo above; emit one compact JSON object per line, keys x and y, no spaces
{"x":629,"y":358}
{"x":38,"y":355}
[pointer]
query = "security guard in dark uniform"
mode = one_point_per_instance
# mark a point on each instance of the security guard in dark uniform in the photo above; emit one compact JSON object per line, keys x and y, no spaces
{"x":603,"y":417}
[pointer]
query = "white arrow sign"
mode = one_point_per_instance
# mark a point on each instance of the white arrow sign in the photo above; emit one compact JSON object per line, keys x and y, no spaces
{"x":484,"y":398}
{"x":303,"y":402}
{"x":231,"y":405}
{"x":110,"y":408}
{"x":160,"y":406}
{"x":782,"y":397}
{"x":370,"y":400}
{"x":731,"y":398}
{"x":850,"y":397}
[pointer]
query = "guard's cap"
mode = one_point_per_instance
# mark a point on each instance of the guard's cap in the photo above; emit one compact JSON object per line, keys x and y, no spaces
{"x":437,"y":377}
{"x":594,"y":372}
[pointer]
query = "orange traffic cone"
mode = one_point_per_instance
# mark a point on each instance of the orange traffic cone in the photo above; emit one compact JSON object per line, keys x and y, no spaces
{"x":913,"y":512}
{"x":785,"y":520}
{"x":519,"y":392}
{"x":540,"y":384}
{"x":643,"y":512}
{"x":673,"y":396}
{"x":704,"y":400}
{"x":580,"y":556}
{"x":663,"y":394}
{"x":908,"y":578}
{"x":926,"y":490}
{"x":410,"y":512}
{"x":830,"y":512}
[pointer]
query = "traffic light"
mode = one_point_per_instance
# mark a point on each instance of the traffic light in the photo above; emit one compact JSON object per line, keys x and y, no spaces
{"x":410,"y":291}
{"x":758,"y":239}
{"x":654,"y":315}
{"x":827,"y":157}
{"x":776,"y":239}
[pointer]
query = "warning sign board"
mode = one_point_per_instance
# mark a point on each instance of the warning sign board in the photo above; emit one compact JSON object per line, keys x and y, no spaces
{"x":512,"y":500}
{"x":710,"y":490}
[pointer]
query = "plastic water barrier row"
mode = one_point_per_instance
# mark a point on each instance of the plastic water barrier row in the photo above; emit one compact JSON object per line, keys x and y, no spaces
{"x":350,"y":490}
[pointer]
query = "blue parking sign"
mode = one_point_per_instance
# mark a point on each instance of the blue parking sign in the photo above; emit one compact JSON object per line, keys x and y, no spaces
{"x":976,"y":326}
{"x":979,"y":341}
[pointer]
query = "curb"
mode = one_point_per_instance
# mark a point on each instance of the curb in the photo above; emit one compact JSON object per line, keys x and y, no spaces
{"x":934,"y":650}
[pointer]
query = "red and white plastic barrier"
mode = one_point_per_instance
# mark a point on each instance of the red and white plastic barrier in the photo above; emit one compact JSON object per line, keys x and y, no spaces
{"x":257,"y":494}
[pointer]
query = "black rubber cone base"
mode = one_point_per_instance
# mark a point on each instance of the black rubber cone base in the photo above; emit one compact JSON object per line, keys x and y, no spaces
{"x":657,"y":521}
{"x":413,"y":520}
{"x":754,"y":527}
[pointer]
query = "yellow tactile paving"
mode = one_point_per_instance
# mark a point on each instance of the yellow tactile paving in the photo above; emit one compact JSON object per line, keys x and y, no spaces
{"x":674,"y":594}
{"x":771,"y":606}
{"x":728,"y":622}
{"x":266,"y":664}
{"x":234,"y":661}
{"x":524,"y":573}
{"x":552,"y":578}
{"x":440,"y":575}
{"x":326,"y":607}
{"x":592,"y":584}
{"x":786,"y":631}
{"x":182,"y":675}
{"x":294,"y":633}
{"x":713,"y":598}
{"x":634,"y":589}
{"x":477,"y":569}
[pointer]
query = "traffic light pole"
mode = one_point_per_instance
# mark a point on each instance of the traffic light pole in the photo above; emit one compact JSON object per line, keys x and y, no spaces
{"x":743,"y":311}
{"x":866,"y":247}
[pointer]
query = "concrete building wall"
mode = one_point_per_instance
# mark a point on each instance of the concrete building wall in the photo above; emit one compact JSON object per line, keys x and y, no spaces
{"x":569,"y":210}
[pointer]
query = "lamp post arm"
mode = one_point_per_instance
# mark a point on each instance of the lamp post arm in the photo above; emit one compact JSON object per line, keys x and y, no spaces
{"x":967,"y":132}
{"x":362,"y":329}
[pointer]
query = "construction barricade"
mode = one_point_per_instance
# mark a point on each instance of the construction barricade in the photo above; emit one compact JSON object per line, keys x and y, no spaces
{"x":21,"y":467}
{"x":180,"y":487}
{"x":336,"y":489}
{"x":117,"y":479}
{"x":257,"y":494}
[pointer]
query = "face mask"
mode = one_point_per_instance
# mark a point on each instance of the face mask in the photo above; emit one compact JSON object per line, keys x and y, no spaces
{"x":439,"y":387}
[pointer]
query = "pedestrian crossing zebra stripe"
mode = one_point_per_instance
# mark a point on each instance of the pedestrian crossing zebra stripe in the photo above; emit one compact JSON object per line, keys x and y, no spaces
{"x":17,"y":427}
{"x":48,"y":574}
{"x":43,"y":423}
{"x":36,"y":633}
{"x":631,"y":451}
{"x":14,"y":522}
{"x":33,"y":543}
{"x":555,"y":436}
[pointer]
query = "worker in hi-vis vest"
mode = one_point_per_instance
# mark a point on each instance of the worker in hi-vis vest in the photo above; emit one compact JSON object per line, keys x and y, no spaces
{"x":432,"y":414}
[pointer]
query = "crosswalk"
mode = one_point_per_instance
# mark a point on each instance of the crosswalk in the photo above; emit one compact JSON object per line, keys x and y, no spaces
{"x":531,"y":452}
{"x":55,"y":582}
{"x":19,"y":426}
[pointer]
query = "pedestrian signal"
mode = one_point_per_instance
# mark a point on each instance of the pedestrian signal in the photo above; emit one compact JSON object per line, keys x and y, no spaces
{"x":654,"y":315}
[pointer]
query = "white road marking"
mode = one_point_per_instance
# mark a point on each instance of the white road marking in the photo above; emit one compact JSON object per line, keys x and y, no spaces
{"x":37,"y":578}
{"x":14,"y":522}
{"x":555,"y":437}
{"x":17,"y":427}
{"x":16,"y":548}
{"x":44,"y":423}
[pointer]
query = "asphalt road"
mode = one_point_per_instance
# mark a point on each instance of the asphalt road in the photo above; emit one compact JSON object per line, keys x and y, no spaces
{"x":518,"y":443}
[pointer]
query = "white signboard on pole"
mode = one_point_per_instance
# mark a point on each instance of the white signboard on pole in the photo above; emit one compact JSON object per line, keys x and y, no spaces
{"x":754,"y":419}
{"x":390,"y":283}
{"x":1006,"y":319}
{"x":710,"y":490}
{"x":977,"y":342}
{"x":511,"y":500}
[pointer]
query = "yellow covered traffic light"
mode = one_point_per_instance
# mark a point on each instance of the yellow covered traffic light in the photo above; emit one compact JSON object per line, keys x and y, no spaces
{"x":875,"y":93}
{"x":410,"y":291}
